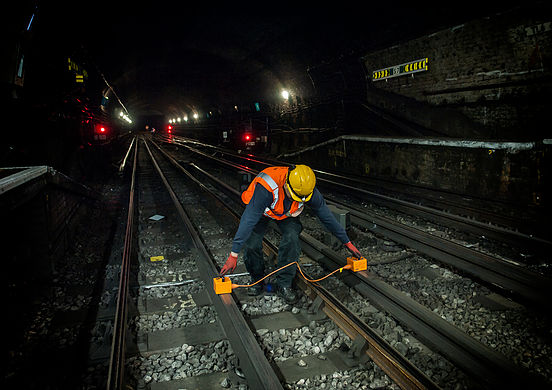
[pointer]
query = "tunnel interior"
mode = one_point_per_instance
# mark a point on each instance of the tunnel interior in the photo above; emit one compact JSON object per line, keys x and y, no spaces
{"x":394,"y":100}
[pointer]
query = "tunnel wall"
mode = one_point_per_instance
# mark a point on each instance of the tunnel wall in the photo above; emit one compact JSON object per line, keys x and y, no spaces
{"x":515,"y":174}
{"x":40,"y":232}
{"x":488,"y":77}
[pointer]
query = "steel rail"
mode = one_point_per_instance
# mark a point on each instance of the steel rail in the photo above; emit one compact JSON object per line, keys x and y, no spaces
{"x":442,"y":217}
{"x":116,"y":377}
{"x":485,"y":365}
{"x":434,"y":201}
{"x":473,"y":357}
{"x":123,"y":163}
{"x":438,"y":214}
{"x":436,"y":210}
{"x":481,"y":362}
{"x":445,"y":218}
{"x":366,"y":341}
{"x":511,"y":279}
{"x":258,"y":371}
{"x":397,"y":367}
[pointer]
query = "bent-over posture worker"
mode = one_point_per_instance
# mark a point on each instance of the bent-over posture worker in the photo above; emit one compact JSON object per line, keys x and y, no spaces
{"x":279,"y":194}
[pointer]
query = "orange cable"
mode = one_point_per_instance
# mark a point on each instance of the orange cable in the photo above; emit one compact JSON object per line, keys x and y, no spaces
{"x":300,"y":271}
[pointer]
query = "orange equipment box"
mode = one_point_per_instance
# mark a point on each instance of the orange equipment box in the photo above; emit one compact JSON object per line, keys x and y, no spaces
{"x":222,"y":285}
{"x":357,"y":264}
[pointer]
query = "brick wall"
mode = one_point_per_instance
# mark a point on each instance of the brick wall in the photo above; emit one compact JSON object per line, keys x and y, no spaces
{"x":488,"y":77}
{"x":517,"y":176}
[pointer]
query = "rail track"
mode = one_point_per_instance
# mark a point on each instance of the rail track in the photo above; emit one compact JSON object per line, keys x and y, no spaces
{"x":507,"y":276}
{"x":181,"y":356}
{"x":406,"y":322}
{"x":478,"y":217}
{"x":485,"y":363}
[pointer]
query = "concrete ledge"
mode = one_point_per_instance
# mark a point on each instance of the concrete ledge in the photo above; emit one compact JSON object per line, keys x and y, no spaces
{"x":447,"y":142}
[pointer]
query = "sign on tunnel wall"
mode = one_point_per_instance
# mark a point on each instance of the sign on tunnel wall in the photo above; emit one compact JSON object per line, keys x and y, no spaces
{"x":400,"y":70}
{"x":80,"y":73}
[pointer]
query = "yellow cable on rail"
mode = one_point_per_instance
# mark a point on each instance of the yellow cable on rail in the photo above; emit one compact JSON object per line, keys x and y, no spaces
{"x":223,"y":285}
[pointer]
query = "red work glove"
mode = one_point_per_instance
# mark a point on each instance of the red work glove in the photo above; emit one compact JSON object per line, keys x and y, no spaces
{"x":230,"y":264}
{"x":354,"y":251}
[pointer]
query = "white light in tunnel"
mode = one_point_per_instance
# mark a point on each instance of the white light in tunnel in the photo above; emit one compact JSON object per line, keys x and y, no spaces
{"x":178,"y":119}
{"x":125,"y":117}
{"x":285,"y":94}
{"x":196,"y":115}
{"x":186,"y":118}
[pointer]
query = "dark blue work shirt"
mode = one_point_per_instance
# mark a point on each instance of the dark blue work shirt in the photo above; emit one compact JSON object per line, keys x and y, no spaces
{"x":262,"y":199}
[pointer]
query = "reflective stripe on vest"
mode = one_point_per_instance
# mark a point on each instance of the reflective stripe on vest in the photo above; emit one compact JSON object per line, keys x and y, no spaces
{"x":273,"y":186}
{"x":273,"y":180}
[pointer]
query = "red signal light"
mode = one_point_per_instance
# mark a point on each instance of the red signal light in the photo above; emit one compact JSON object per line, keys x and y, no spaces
{"x":100,"y":129}
{"x":100,"y":132}
{"x":247,"y":137}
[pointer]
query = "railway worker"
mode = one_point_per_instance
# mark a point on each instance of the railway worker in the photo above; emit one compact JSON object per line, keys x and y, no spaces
{"x":279,"y":194}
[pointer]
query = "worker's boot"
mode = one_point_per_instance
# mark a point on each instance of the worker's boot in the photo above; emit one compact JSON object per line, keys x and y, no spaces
{"x":288,"y":294}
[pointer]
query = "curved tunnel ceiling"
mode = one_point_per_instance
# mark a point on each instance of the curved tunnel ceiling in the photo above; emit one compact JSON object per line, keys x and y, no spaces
{"x":161,"y":58}
{"x":223,"y":62}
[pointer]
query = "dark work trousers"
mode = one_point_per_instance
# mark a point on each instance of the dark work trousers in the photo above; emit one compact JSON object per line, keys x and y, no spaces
{"x":288,"y":251}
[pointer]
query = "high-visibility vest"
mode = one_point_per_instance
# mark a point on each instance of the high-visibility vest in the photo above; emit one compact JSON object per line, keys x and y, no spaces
{"x":273,"y":179}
